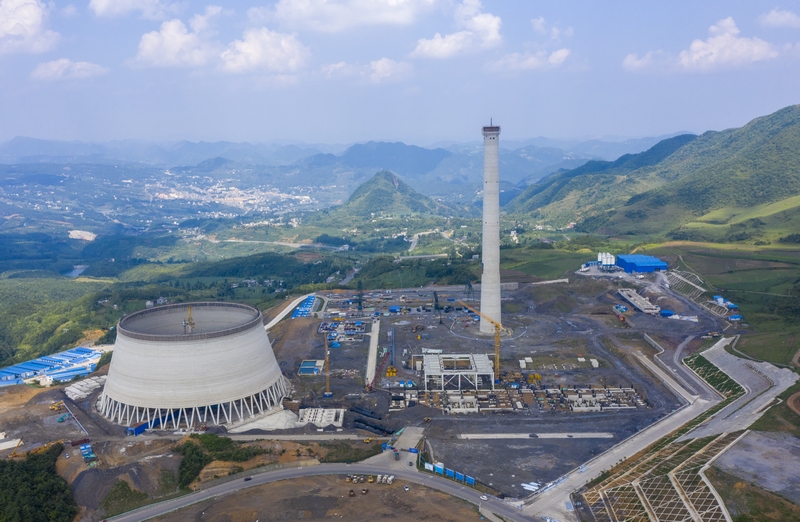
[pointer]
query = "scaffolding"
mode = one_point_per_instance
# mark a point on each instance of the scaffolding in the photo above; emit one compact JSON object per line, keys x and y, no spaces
{"x":457,"y":372}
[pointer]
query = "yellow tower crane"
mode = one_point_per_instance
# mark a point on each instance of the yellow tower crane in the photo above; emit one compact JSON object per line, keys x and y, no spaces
{"x":188,"y":323}
{"x":497,"y":329}
{"x":327,"y":393}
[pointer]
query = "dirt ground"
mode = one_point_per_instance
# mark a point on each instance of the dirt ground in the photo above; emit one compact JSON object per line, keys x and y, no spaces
{"x":326,"y":497}
{"x":769,"y":460}
{"x":25,"y":413}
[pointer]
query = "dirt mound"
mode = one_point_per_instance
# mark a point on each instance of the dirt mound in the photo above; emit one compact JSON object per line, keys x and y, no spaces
{"x":155,"y":477}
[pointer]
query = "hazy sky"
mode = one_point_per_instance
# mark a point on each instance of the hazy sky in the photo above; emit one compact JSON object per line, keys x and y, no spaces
{"x":418,"y":71}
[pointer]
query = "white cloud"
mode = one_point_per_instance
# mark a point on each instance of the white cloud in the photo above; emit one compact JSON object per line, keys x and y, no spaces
{"x":780,"y":18}
{"x":69,"y":11}
{"x":541,"y":26}
{"x":558,"y":57}
{"x":478,"y":28}
{"x":385,"y":69}
{"x":532,"y":61}
{"x":341,"y":69}
{"x":262,"y":49}
{"x":633,"y":62}
{"x":443,"y":46}
{"x":340,"y":15}
{"x":202,"y":22}
{"x":153,"y":9}
{"x":725,"y":48}
{"x":66,"y":68}
{"x":22,"y":27}
{"x":485,"y":25}
{"x":173,"y":46}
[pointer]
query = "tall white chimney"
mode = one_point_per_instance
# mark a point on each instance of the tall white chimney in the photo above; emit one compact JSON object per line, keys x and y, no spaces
{"x":490,"y":278}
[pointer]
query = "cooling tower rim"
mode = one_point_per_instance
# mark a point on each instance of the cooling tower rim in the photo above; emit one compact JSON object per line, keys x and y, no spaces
{"x":125,"y":332}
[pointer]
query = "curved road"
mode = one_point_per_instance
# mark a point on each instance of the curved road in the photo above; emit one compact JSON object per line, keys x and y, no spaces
{"x":447,"y":486}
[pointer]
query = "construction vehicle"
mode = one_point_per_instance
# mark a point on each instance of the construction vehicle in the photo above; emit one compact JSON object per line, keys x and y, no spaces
{"x":391,"y":371}
{"x":498,"y":328}
{"x":347,"y":478}
{"x":417,"y":328}
{"x":369,"y":439}
{"x":56,"y":406}
{"x":14,"y":453}
{"x":371,"y":479}
{"x":64,"y":417}
{"x":352,"y":493}
{"x":364,"y":491}
{"x":426,"y":419}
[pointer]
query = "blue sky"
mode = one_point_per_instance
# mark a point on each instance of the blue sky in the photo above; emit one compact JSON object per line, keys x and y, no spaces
{"x":419,"y":71}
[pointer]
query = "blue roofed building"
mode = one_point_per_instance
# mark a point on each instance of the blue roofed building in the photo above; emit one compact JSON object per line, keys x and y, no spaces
{"x":640,"y":263}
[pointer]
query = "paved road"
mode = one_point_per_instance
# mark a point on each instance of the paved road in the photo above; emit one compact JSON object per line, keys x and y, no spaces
{"x":447,"y":486}
{"x":762,"y":383}
{"x":286,"y":311}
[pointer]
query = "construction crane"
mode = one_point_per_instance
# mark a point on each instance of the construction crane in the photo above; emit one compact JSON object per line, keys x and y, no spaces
{"x":497,"y":329}
{"x":436,"y":305}
{"x":470,"y":292}
{"x":14,"y":453}
{"x":327,"y":393}
{"x":188,"y":323}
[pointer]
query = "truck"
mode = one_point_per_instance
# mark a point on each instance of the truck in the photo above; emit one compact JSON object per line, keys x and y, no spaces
{"x":136,"y":430}
{"x":396,"y":455}
{"x":390,"y":479}
{"x":79,"y":442}
{"x":64,"y":417}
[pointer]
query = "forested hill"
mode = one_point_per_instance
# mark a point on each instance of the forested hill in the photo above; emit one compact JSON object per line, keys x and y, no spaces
{"x":678,"y":181}
{"x":384,"y":194}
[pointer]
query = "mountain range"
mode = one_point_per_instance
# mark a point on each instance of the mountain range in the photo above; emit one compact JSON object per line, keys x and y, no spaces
{"x":454,"y":171}
{"x":731,"y":185}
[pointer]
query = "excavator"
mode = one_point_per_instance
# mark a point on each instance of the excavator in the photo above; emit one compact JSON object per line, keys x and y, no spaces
{"x":498,"y":328}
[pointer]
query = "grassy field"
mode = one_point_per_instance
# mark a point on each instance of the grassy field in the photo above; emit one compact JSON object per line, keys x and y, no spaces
{"x":544,"y":263}
{"x":780,"y":417}
{"x":715,"y":377}
{"x":776,"y":347}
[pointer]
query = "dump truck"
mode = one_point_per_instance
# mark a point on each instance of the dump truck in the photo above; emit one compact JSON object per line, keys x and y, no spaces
{"x":136,"y":430}
{"x":390,"y":479}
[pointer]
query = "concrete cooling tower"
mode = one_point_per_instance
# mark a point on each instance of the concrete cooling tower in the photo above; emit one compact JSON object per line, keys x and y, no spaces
{"x":193,"y":363}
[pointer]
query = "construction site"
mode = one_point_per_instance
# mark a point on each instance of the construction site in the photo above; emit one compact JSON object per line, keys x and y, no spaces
{"x":514,"y":391}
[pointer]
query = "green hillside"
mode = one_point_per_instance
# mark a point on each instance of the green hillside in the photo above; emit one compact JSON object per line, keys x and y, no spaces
{"x":387,"y":195}
{"x":734,"y":185}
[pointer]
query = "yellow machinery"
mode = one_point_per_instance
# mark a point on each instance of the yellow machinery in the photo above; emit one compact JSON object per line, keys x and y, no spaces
{"x":56,"y":406}
{"x":14,"y":453}
{"x":533,"y":377}
{"x":188,"y":323}
{"x":391,"y":371}
{"x":497,"y":329}
{"x":369,"y":439}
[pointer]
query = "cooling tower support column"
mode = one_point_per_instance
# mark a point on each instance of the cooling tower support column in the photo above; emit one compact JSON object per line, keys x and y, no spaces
{"x":490,"y":278}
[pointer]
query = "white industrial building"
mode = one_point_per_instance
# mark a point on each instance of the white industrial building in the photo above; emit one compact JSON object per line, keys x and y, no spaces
{"x":458,"y":371}
{"x":187,"y":364}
